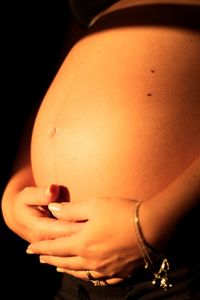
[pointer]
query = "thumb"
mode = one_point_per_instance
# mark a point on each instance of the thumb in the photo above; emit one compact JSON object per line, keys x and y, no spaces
{"x":70,"y":211}
{"x":41,"y":196}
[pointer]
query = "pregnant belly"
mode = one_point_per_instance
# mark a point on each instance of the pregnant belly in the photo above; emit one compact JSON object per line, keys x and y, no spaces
{"x":112,"y":127}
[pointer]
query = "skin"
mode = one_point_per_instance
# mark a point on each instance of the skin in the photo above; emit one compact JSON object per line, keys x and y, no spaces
{"x":82,"y":235}
{"x":45,"y":228}
{"x":156,"y":226}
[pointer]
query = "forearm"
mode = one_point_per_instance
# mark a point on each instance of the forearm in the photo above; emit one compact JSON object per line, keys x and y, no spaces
{"x":168,"y":208}
{"x":21,"y":176}
{"x":21,"y":179}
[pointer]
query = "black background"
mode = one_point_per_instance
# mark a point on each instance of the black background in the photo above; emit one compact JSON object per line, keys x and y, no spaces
{"x":33,"y":45}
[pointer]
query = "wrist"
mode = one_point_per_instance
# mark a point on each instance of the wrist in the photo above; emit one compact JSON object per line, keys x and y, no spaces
{"x":156,"y":223}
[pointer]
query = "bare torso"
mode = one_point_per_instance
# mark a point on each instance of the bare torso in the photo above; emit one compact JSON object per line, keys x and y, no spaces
{"x":122,"y":117}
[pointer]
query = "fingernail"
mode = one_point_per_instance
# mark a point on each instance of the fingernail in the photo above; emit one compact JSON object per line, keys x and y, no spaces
{"x":60,"y":270}
{"x":51,"y":189}
{"x":29,"y":251}
{"x":42,"y":261}
{"x":54,"y":207}
{"x":47,"y":191}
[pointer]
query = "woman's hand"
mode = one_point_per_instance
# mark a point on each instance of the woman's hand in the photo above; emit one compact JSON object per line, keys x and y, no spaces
{"x":103,"y":241}
{"x":34,"y":220}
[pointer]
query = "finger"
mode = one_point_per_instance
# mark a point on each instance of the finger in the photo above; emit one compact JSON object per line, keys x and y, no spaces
{"x":51,"y":229}
{"x":41,"y":196}
{"x":74,"y":264}
{"x":80,"y":274}
{"x":95,"y":275}
{"x":71,"y":211}
{"x":62,"y":246}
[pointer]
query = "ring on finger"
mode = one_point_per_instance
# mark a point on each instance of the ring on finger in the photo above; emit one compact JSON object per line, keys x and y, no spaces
{"x":96,"y":282}
{"x":89,"y":275}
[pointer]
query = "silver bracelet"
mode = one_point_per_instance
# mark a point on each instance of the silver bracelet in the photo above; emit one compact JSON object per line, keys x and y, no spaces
{"x":160,"y":275}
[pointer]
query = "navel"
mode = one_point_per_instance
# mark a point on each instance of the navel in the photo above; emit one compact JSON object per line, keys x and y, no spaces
{"x":53,"y":132}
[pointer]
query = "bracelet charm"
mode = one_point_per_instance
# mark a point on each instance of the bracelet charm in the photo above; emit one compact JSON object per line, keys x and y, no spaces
{"x":161,"y":277}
